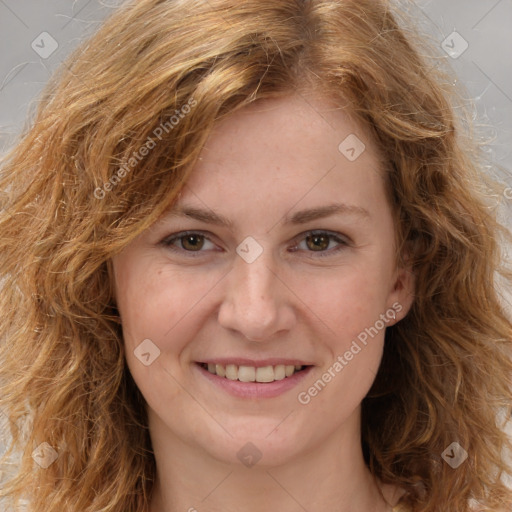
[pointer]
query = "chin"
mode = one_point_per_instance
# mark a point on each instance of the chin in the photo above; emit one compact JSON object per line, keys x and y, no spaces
{"x":265,"y":446}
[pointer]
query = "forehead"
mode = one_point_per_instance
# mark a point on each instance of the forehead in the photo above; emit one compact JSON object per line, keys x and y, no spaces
{"x":290,"y":149}
{"x":298,"y":122}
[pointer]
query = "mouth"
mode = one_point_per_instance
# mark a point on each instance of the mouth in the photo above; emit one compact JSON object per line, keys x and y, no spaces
{"x":261,"y":374}
{"x":244,"y":381}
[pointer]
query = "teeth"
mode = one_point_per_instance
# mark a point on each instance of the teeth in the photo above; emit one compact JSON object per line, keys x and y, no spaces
{"x":279,"y":372}
{"x":232,"y":372}
{"x":265,"y":374}
{"x":220,"y":370}
{"x":252,"y":374}
{"x":246,"y":373}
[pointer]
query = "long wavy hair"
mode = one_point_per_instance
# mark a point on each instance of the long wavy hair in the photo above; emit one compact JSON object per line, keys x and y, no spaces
{"x":78,"y":187}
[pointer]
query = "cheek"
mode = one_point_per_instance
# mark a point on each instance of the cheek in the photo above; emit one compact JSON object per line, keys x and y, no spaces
{"x":347,"y":301}
{"x":165,"y":308}
{"x":350,"y":304}
{"x":353,"y":345}
{"x":154,"y":302}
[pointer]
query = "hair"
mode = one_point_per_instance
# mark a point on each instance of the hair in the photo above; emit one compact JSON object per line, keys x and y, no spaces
{"x":78,"y":187}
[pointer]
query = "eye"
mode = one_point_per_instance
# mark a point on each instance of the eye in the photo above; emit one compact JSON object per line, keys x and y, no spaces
{"x":322,"y":242}
{"x":188,"y":242}
{"x":193,"y":243}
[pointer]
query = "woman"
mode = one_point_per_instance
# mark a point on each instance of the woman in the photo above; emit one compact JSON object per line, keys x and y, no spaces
{"x":249,"y":263}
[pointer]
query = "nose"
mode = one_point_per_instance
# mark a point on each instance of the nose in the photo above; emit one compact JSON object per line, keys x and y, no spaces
{"x":256,"y":302}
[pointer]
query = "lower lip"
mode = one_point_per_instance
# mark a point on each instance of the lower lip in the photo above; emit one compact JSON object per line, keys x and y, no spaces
{"x":255,"y":389}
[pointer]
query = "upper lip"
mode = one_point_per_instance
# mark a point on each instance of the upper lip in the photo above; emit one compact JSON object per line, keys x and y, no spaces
{"x":242,"y":361}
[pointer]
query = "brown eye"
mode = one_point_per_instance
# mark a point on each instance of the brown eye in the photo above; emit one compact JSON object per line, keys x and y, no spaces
{"x":189,"y":243}
{"x":192,"y":242}
{"x":318,"y":242}
{"x":321,"y":243}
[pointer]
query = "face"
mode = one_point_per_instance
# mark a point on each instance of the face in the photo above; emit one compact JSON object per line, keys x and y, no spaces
{"x":279,"y":253}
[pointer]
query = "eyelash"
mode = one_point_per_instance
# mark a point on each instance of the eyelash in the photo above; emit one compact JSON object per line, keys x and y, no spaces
{"x":170,"y":240}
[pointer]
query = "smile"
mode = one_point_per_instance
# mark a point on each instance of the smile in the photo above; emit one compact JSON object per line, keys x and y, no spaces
{"x":251,"y":373}
{"x":252,"y":382}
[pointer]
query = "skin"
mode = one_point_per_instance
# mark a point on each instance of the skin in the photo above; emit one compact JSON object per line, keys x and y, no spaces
{"x":260,"y":165}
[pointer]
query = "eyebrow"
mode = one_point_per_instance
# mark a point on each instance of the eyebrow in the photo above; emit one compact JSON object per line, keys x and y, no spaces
{"x":300,"y":217}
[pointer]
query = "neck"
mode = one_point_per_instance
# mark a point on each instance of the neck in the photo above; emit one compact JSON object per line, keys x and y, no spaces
{"x":332,"y":476}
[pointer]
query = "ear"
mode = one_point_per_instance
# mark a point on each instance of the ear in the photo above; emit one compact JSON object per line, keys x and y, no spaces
{"x":402,"y":293}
